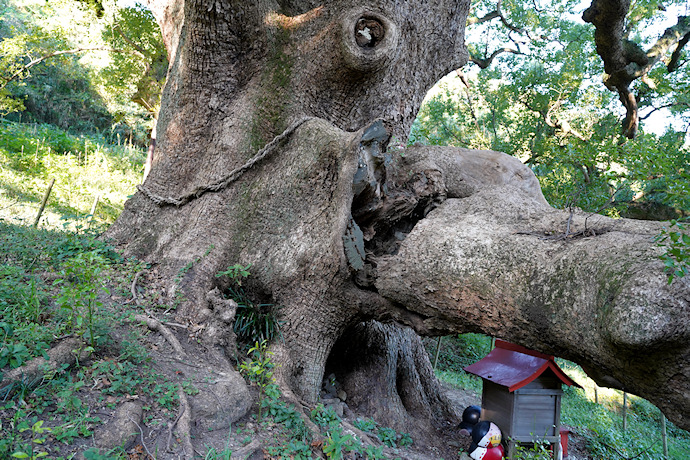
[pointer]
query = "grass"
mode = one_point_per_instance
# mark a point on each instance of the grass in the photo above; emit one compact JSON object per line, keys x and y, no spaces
{"x":41,"y":272}
{"x":84,"y":168}
{"x":600,"y":425}
{"x":52,"y":283}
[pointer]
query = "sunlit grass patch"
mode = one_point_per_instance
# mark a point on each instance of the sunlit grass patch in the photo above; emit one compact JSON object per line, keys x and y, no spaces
{"x":85,"y":168}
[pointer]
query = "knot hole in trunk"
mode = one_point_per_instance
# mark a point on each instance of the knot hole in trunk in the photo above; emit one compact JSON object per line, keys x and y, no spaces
{"x":368,"y":32}
{"x":369,"y":40}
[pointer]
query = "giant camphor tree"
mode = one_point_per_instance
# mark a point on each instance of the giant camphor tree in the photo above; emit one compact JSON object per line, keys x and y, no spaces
{"x":273,"y":134}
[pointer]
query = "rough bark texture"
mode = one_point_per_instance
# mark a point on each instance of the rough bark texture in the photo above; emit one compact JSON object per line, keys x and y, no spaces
{"x":241,"y":73}
{"x":584,"y":287}
{"x":268,"y":154}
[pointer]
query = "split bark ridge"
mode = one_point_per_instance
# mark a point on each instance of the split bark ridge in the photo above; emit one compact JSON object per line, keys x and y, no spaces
{"x":347,"y":236}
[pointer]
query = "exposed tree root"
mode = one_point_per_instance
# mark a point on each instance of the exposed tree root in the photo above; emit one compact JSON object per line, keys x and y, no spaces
{"x":65,"y":352}
{"x":155,"y":325}
{"x":133,"y":287}
{"x":184,"y":424}
{"x":121,"y":430}
{"x":184,"y":419}
{"x":247,"y":450}
{"x":301,"y":407}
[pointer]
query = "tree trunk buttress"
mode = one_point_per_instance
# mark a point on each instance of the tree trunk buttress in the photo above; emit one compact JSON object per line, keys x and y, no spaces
{"x":241,"y":74}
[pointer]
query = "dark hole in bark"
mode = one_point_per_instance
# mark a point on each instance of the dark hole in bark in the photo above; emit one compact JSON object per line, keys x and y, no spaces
{"x":387,"y":202}
{"x":381,"y":370}
{"x":362,"y":368}
{"x":368,"y":32}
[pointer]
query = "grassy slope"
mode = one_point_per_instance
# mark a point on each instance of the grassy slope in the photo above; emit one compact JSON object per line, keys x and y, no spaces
{"x":84,"y":168}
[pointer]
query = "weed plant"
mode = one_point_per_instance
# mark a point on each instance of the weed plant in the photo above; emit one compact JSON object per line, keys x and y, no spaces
{"x":28,"y":320}
{"x":254,"y":322}
{"x":33,"y":313}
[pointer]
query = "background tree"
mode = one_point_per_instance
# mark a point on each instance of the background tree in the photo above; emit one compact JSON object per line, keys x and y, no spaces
{"x":542,"y":102}
{"x":138,"y":75}
{"x":66,"y":64}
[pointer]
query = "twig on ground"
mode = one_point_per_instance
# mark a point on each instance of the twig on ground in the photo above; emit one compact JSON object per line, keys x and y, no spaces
{"x":143,"y":443}
{"x":133,"y":287}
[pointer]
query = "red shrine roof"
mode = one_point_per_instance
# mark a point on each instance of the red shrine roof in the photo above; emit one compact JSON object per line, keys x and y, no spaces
{"x":513,"y":366}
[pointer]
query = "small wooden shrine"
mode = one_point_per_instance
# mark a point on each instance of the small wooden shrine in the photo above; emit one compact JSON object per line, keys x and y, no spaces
{"x":522,"y":394}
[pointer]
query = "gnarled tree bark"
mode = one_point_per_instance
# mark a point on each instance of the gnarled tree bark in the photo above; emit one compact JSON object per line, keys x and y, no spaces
{"x":272,"y":152}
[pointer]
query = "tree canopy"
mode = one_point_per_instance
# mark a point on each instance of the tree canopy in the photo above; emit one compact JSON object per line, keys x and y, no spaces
{"x":533,"y":89}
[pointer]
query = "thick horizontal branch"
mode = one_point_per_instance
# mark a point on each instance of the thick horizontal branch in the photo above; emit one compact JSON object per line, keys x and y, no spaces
{"x":585,"y":287}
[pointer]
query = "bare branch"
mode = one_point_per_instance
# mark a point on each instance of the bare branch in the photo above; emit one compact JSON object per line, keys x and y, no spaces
{"x":139,"y":49}
{"x":673,"y":63}
{"x":507,"y":24}
{"x":483,"y":63}
{"x":486,"y":18}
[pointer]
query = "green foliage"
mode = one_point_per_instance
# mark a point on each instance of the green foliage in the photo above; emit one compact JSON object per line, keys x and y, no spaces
{"x":80,"y":289}
{"x":83,"y":167}
{"x":546,"y":106}
{"x":28,"y":322}
{"x":601,"y":424}
{"x":294,"y":449}
{"x":324,"y":417}
{"x":536,"y":451}
{"x":137,"y":75}
{"x":254,"y":322}
{"x":83,"y":69}
{"x":259,"y":370}
{"x":337,"y":444}
{"x":676,"y":256}
{"x":37,"y":438}
{"x":367,"y":425}
{"x":236,"y":273}
{"x":95,"y":454}
{"x":39,"y":78}
{"x":213,"y":454}
{"x":386,"y":435}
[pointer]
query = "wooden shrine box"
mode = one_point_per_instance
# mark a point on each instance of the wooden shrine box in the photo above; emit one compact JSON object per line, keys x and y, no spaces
{"x":522,"y":394}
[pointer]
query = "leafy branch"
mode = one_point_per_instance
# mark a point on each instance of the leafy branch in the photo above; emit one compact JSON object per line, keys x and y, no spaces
{"x":676,"y":257}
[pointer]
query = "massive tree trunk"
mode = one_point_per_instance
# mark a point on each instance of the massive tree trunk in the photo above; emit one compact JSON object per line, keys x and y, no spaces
{"x":272,"y":152}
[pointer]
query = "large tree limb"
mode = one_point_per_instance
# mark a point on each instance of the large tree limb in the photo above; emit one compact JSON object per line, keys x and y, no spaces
{"x":675,"y":57}
{"x":503,"y":262}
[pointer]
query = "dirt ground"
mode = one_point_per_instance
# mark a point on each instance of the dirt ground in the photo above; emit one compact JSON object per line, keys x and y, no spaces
{"x":188,"y":401}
